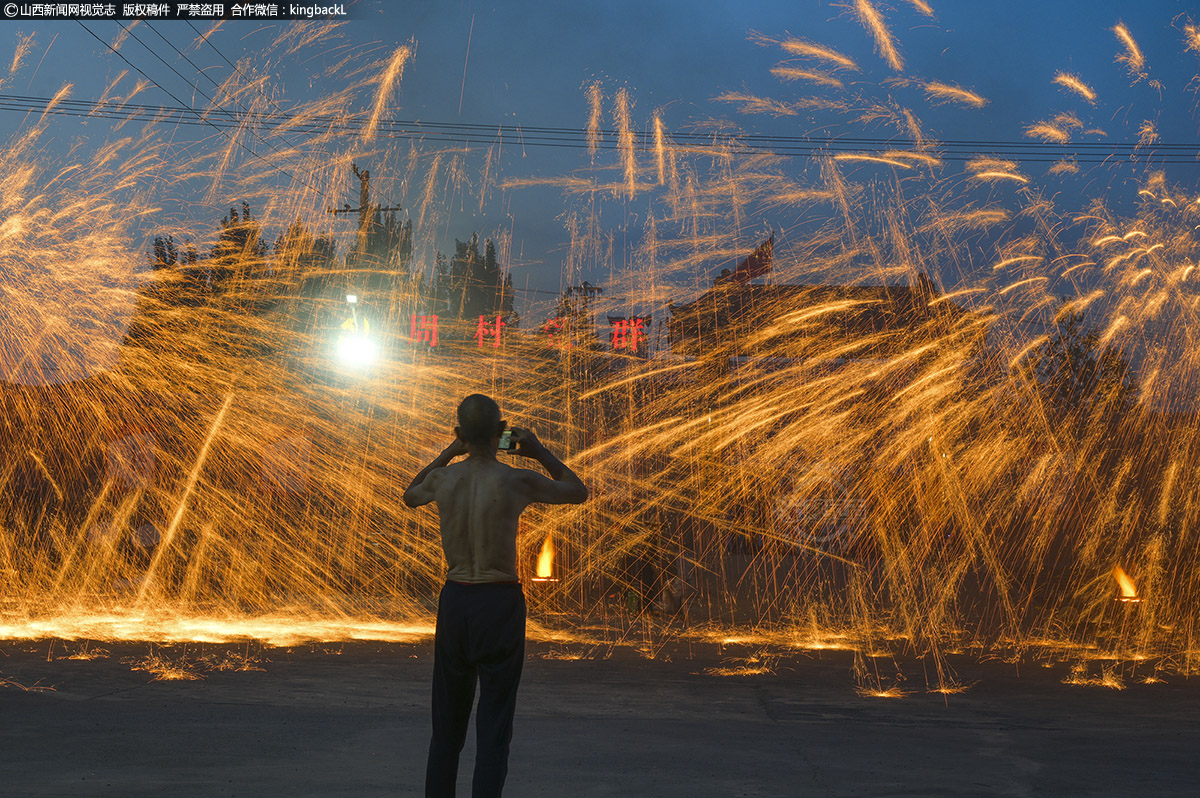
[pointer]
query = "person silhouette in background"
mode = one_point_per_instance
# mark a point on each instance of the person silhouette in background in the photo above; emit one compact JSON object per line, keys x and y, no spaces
{"x":481,"y":611}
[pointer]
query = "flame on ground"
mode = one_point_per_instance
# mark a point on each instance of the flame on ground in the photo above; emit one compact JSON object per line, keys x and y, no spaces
{"x":545,"y":564}
{"x":1128,"y":589}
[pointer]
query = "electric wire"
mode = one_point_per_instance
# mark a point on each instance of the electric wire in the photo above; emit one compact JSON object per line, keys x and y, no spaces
{"x":201,"y":120}
{"x":577,"y":138}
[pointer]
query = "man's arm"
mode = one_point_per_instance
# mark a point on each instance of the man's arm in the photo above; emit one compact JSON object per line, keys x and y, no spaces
{"x":421,"y":489}
{"x":564,"y":487}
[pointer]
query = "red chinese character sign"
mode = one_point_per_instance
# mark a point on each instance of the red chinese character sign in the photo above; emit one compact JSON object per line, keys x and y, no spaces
{"x":556,"y":333}
{"x":629,"y":335}
{"x":489,"y":331}
{"x":572,"y":325}
{"x":424,"y":329}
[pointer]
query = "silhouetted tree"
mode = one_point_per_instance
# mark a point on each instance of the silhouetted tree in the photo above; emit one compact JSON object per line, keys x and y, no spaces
{"x":307,"y":271}
{"x":239,"y":259}
{"x":437,"y":300}
{"x":573,"y":318}
{"x":511,"y":317}
{"x":165,"y":254}
{"x":385,"y":251}
{"x":172,"y":282}
{"x":475,"y":284}
{"x":1077,"y":378}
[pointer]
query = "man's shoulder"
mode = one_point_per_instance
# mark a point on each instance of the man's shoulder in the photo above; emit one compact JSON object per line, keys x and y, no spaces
{"x":518,"y":471}
{"x":514,"y":477}
{"x":494,"y":470}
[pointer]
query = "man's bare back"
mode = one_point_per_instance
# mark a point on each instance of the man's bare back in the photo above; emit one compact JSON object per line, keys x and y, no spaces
{"x":480,"y":500}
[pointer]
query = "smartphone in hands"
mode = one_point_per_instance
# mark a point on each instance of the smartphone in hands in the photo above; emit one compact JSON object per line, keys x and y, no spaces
{"x":508,"y":443}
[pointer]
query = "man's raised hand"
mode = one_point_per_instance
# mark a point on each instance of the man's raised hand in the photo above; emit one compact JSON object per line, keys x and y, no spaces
{"x":528,"y":444}
{"x":456,"y":448}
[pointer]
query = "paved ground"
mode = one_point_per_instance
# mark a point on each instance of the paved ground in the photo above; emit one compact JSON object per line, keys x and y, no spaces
{"x":351,"y":720}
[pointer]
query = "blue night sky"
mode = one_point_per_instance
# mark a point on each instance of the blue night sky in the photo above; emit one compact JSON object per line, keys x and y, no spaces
{"x":530,"y":61}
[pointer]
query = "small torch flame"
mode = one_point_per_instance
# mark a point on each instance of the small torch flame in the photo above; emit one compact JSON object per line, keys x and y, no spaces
{"x":1128,"y":590}
{"x":545,"y":565}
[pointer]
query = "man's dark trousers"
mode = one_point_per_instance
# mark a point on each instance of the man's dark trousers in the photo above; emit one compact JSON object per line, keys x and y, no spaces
{"x":480,"y":633}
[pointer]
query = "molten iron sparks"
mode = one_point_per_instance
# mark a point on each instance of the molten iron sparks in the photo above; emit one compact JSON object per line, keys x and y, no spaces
{"x":834,"y":456}
{"x":885,"y":45}
{"x":1132,"y":56}
{"x":1075,"y":84}
{"x":945,"y":92}
{"x":807,"y":49}
{"x":922,"y":6}
{"x":621,"y":114}
{"x":1191,"y":38}
{"x":595,"y":98}
{"x":389,"y":79}
{"x":811,"y":75}
{"x":1047,"y":131}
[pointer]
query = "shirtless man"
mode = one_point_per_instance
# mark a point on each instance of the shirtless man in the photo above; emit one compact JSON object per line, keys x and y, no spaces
{"x":481,"y":611}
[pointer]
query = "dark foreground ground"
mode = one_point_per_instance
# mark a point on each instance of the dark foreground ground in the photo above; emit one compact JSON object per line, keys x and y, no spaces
{"x":352,"y":720}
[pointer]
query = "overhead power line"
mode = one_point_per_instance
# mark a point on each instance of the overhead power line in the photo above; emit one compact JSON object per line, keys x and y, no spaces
{"x":580,"y":138}
{"x":206,"y":40}
{"x":200,"y":71}
{"x":184,"y":107}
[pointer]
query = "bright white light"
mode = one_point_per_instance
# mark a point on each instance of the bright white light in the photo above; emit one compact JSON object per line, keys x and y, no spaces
{"x":355,"y":350}
{"x":352,"y":299}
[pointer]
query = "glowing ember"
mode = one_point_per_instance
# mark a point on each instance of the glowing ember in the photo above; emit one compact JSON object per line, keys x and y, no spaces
{"x":890,"y":692}
{"x":545,"y":563}
{"x":1128,"y":590}
{"x":165,"y":670}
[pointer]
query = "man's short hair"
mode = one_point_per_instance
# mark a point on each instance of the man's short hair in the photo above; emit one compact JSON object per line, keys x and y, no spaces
{"x":478,"y":419}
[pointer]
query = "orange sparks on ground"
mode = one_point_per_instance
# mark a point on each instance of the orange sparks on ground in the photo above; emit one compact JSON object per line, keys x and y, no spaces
{"x":890,"y":692}
{"x":751,"y":667}
{"x":1108,"y":677}
{"x":165,"y":670}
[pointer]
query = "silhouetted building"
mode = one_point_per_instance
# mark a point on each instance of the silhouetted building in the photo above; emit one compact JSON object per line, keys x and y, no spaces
{"x":749,"y":320}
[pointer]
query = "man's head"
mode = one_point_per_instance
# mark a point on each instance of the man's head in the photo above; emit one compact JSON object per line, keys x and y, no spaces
{"x":479,"y":422}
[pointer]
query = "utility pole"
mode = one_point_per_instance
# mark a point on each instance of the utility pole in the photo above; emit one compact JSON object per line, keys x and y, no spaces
{"x":364,"y":209}
{"x":587,"y":291}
